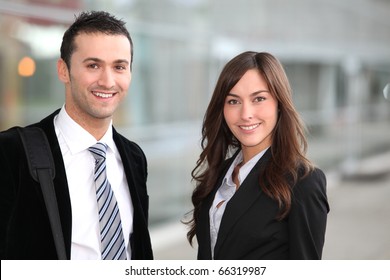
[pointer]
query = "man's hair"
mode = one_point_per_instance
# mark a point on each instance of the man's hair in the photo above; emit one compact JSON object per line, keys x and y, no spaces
{"x":92,"y":22}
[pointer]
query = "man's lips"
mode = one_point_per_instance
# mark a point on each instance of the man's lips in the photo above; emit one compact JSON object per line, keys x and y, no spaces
{"x":103,"y":94}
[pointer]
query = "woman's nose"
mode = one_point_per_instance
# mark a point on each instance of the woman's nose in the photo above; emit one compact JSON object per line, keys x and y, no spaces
{"x":246,"y":111}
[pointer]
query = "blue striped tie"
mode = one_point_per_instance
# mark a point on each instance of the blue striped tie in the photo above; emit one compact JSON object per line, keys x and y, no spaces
{"x":113,"y":243}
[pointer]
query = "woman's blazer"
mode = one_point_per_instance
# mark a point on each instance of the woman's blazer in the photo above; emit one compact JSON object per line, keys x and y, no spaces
{"x":249,"y":229}
{"x":25,"y":231}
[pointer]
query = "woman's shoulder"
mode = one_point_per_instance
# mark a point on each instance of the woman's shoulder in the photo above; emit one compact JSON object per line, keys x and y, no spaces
{"x":312,"y":181}
{"x":315,"y":173}
{"x":310,"y":191}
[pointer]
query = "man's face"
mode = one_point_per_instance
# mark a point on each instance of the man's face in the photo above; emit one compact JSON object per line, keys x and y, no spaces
{"x":99,"y":77}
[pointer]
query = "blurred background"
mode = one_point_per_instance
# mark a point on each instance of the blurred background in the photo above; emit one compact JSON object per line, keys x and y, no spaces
{"x":336,"y":54}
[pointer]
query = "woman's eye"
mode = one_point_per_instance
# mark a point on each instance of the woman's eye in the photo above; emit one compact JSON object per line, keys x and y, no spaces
{"x":259,"y":99}
{"x":232,"y":102}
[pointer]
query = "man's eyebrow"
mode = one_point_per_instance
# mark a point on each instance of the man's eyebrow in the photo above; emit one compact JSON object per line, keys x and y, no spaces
{"x":123,"y":61}
{"x":95,"y":59}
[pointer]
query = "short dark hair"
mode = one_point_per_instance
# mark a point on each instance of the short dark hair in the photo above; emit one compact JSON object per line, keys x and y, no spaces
{"x":92,"y":22}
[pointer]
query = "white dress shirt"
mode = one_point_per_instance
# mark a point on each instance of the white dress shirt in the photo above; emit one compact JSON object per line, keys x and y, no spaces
{"x":225,"y":193}
{"x":79,"y":165}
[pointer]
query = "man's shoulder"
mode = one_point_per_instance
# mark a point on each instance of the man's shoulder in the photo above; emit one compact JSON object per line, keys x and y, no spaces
{"x":123,"y":142}
{"x":42,"y":123}
{"x":10,"y":137}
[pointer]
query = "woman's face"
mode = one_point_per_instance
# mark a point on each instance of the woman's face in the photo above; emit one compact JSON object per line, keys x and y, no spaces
{"x":251,"y":113}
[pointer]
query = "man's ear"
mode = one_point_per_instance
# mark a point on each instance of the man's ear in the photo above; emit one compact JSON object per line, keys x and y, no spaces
{"x":62,"y":71}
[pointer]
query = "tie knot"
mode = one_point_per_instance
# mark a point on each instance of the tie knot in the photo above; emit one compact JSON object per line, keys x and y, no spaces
{"x":98,"y":150}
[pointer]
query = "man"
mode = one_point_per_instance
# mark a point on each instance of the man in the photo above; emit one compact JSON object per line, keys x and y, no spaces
{"x":95,"y":67}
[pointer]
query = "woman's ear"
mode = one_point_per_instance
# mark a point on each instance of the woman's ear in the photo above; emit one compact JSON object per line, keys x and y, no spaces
{"x":62,"y":71}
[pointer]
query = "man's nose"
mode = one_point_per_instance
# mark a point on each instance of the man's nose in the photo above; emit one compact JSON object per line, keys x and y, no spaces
{"x":106,"y":79}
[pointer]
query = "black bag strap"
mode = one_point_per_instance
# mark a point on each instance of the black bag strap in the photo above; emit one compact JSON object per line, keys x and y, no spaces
{"x":41,"y":165}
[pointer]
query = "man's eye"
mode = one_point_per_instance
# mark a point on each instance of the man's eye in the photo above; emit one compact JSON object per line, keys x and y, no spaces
{"x":93,"y":66}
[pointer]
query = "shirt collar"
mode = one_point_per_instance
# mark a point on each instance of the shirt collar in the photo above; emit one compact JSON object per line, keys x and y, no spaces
{"x":244,"y":170}
{"x":228,"y":176}
{"x":76,"y":137}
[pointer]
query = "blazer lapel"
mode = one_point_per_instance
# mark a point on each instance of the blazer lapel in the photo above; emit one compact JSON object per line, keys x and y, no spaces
{"x":135,"y":168}
{"x":203,"y":227}
{"x":128,"y":166}
{"x":241,"y":201}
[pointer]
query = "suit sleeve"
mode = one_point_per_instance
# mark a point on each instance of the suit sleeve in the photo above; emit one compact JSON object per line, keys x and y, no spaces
{"x":308,"y":217}
{"x":7,"y":187}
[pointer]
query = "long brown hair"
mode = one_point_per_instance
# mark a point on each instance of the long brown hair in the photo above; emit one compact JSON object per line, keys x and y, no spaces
{"x":288,"y":140}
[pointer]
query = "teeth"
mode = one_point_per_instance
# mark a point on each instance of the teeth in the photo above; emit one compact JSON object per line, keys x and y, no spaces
{"x":249,"y":127}
{"x":103,"y":95}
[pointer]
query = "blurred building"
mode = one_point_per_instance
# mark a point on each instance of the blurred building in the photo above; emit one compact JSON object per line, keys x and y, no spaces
{"x":336,"y":54}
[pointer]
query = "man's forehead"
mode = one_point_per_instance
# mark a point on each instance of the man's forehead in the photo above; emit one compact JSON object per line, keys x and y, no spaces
{"x":83,"y":42}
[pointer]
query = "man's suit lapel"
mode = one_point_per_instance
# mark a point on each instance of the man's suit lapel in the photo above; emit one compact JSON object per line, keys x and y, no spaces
{"x":128,"y":167}
{"x":241,"y":201}
{"x":133,"y":161}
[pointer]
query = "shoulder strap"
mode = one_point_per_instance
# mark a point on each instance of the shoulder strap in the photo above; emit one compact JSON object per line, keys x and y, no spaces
{"x":41,"y":165}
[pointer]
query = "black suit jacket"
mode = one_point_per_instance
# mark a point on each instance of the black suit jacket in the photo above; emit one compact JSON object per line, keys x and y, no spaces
{"x":25,"y":231}
{"x":249,"y":229}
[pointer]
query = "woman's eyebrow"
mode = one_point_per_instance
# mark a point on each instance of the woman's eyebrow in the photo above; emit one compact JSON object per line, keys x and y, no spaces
{"x":252,"y":94}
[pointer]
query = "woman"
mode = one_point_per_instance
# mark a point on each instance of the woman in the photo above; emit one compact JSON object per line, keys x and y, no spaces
{"x":267,"y":200}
